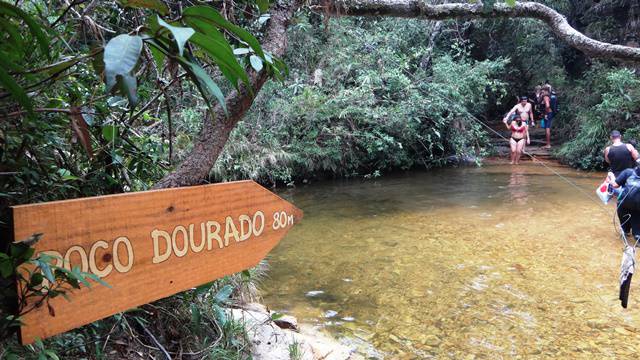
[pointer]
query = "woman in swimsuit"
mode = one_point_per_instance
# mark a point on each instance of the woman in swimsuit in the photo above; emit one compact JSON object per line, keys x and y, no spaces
{"x":519,"y":134}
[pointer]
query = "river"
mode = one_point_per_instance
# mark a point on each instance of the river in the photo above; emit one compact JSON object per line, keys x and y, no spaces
{"x":467,"y":263}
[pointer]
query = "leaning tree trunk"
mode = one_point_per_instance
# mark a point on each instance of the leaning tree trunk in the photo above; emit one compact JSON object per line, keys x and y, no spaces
{"x":217,"y":126}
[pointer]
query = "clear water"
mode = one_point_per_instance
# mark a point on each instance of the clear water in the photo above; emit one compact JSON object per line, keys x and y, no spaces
{"x":470,"y":263}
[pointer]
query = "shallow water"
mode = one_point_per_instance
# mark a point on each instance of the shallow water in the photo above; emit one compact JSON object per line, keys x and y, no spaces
{"x":485,"y":263}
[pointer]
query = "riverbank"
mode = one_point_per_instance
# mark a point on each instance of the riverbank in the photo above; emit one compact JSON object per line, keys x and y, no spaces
{"x":275,"y":336}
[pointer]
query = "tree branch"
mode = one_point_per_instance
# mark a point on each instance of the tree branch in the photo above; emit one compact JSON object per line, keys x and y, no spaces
{"x":420,"y":9}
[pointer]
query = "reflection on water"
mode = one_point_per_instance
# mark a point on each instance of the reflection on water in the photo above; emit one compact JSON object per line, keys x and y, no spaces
{"x":494,"y":262}
{"x":518,"y":186}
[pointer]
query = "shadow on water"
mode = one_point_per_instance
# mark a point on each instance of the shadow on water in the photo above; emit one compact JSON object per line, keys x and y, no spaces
{"x":492,"y":262}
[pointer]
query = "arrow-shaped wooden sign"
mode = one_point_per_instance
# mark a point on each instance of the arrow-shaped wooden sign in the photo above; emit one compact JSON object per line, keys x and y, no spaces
{"x":149,"y":245}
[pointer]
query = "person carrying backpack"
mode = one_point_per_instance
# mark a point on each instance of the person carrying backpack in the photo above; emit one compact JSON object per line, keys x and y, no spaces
{"x":549,"y":108}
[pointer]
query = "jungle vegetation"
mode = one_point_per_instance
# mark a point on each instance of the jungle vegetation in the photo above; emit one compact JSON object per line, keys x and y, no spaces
{"x":103,"y":97}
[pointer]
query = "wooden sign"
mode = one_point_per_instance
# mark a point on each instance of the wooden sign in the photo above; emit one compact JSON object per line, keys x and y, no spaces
{"x":149,"y":245}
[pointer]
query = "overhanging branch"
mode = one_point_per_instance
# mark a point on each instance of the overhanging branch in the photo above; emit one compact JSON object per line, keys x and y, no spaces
{"x":420,"y":9}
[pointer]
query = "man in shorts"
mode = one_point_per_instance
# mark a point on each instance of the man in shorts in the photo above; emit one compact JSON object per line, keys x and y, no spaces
{"x":548,"y":111}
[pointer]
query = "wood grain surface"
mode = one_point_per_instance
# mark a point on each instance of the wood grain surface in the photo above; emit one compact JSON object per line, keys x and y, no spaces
{"x":113,"y":237}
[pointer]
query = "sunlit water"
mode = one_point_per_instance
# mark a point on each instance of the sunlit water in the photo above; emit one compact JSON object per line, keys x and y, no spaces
{"x":493,"y":262}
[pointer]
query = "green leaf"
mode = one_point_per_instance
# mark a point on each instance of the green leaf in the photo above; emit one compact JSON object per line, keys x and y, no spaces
{"x":16,"y":91}
{"x":263,"y":5}
{"x":228,"y":63}
{"x":511,"y":2}
{"x":196,"y":316}
{"x":203,"y":78}
{"x":156,"y":5}
{"x":222,"y":296}
{"x":221,"y":316}
{"x":57,"y":67}
{"x":14,"y":35}
{"x":180,"y":34}
{"x":51,"y":354}
{"x":36,"y":279}
{"x":211,"y":15}
{"x":256,"y":63}
{"x":120,"y":57}
{"x":79,"y":275}
{"x":128,"y":85}
{"x":241,"y":51}
{"x":21,"y":251}
{"x":158,"y":56}
{"x":97,"y":279}
{"x":66,"y":175}
{"x":6,"y":268}
{"x":46,"y":270}
{"x":276,"y":316}
{"x":110,"y":132}
{"x":204,"y":288}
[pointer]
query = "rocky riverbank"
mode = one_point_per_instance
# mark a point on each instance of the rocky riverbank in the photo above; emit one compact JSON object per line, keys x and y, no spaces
{"x":282,"y":338}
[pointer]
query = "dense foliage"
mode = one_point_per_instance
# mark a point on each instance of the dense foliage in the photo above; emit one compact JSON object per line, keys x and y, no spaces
{"x":79,"y":84}
{"x":361,"y":101}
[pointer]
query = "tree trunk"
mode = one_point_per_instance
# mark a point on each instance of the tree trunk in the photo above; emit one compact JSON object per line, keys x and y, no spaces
{"x":213,"y":136}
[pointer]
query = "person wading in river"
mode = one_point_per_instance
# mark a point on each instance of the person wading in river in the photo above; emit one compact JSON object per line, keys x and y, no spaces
{"x":629,"y":213}
{"x":523,"y":107}
{"x":620,"y":157}
{"x":549,"y":108}
{"x":519,"y":134}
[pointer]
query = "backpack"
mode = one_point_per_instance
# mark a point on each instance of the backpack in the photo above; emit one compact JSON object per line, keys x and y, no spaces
{"x":630,"y":195}
{"x":553,"y":101}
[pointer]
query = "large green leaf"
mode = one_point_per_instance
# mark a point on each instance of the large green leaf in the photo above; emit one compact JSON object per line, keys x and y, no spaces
{"x":203,"y":78}
{"x":511,"y":2}
{"x":129,"y":87}
{"x":225,"y":60}
{"x":218,"y":49}
{"x":158,"y":57}
{"x":120,"y":57}
{"x":156,"y":5}
{"x":180,"y":34}
{"x":211,"y":15}
{"x":34,"y":27}
{"x":222,"y":296}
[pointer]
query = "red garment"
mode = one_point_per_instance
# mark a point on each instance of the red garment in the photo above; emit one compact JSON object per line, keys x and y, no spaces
{"x":513,"y":128}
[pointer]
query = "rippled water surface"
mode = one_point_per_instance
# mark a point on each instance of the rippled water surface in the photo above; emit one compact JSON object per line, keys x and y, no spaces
{"x":492,"y":262}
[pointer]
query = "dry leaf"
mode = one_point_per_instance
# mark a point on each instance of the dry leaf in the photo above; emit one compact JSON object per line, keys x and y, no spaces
{"x":81,"y":130}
